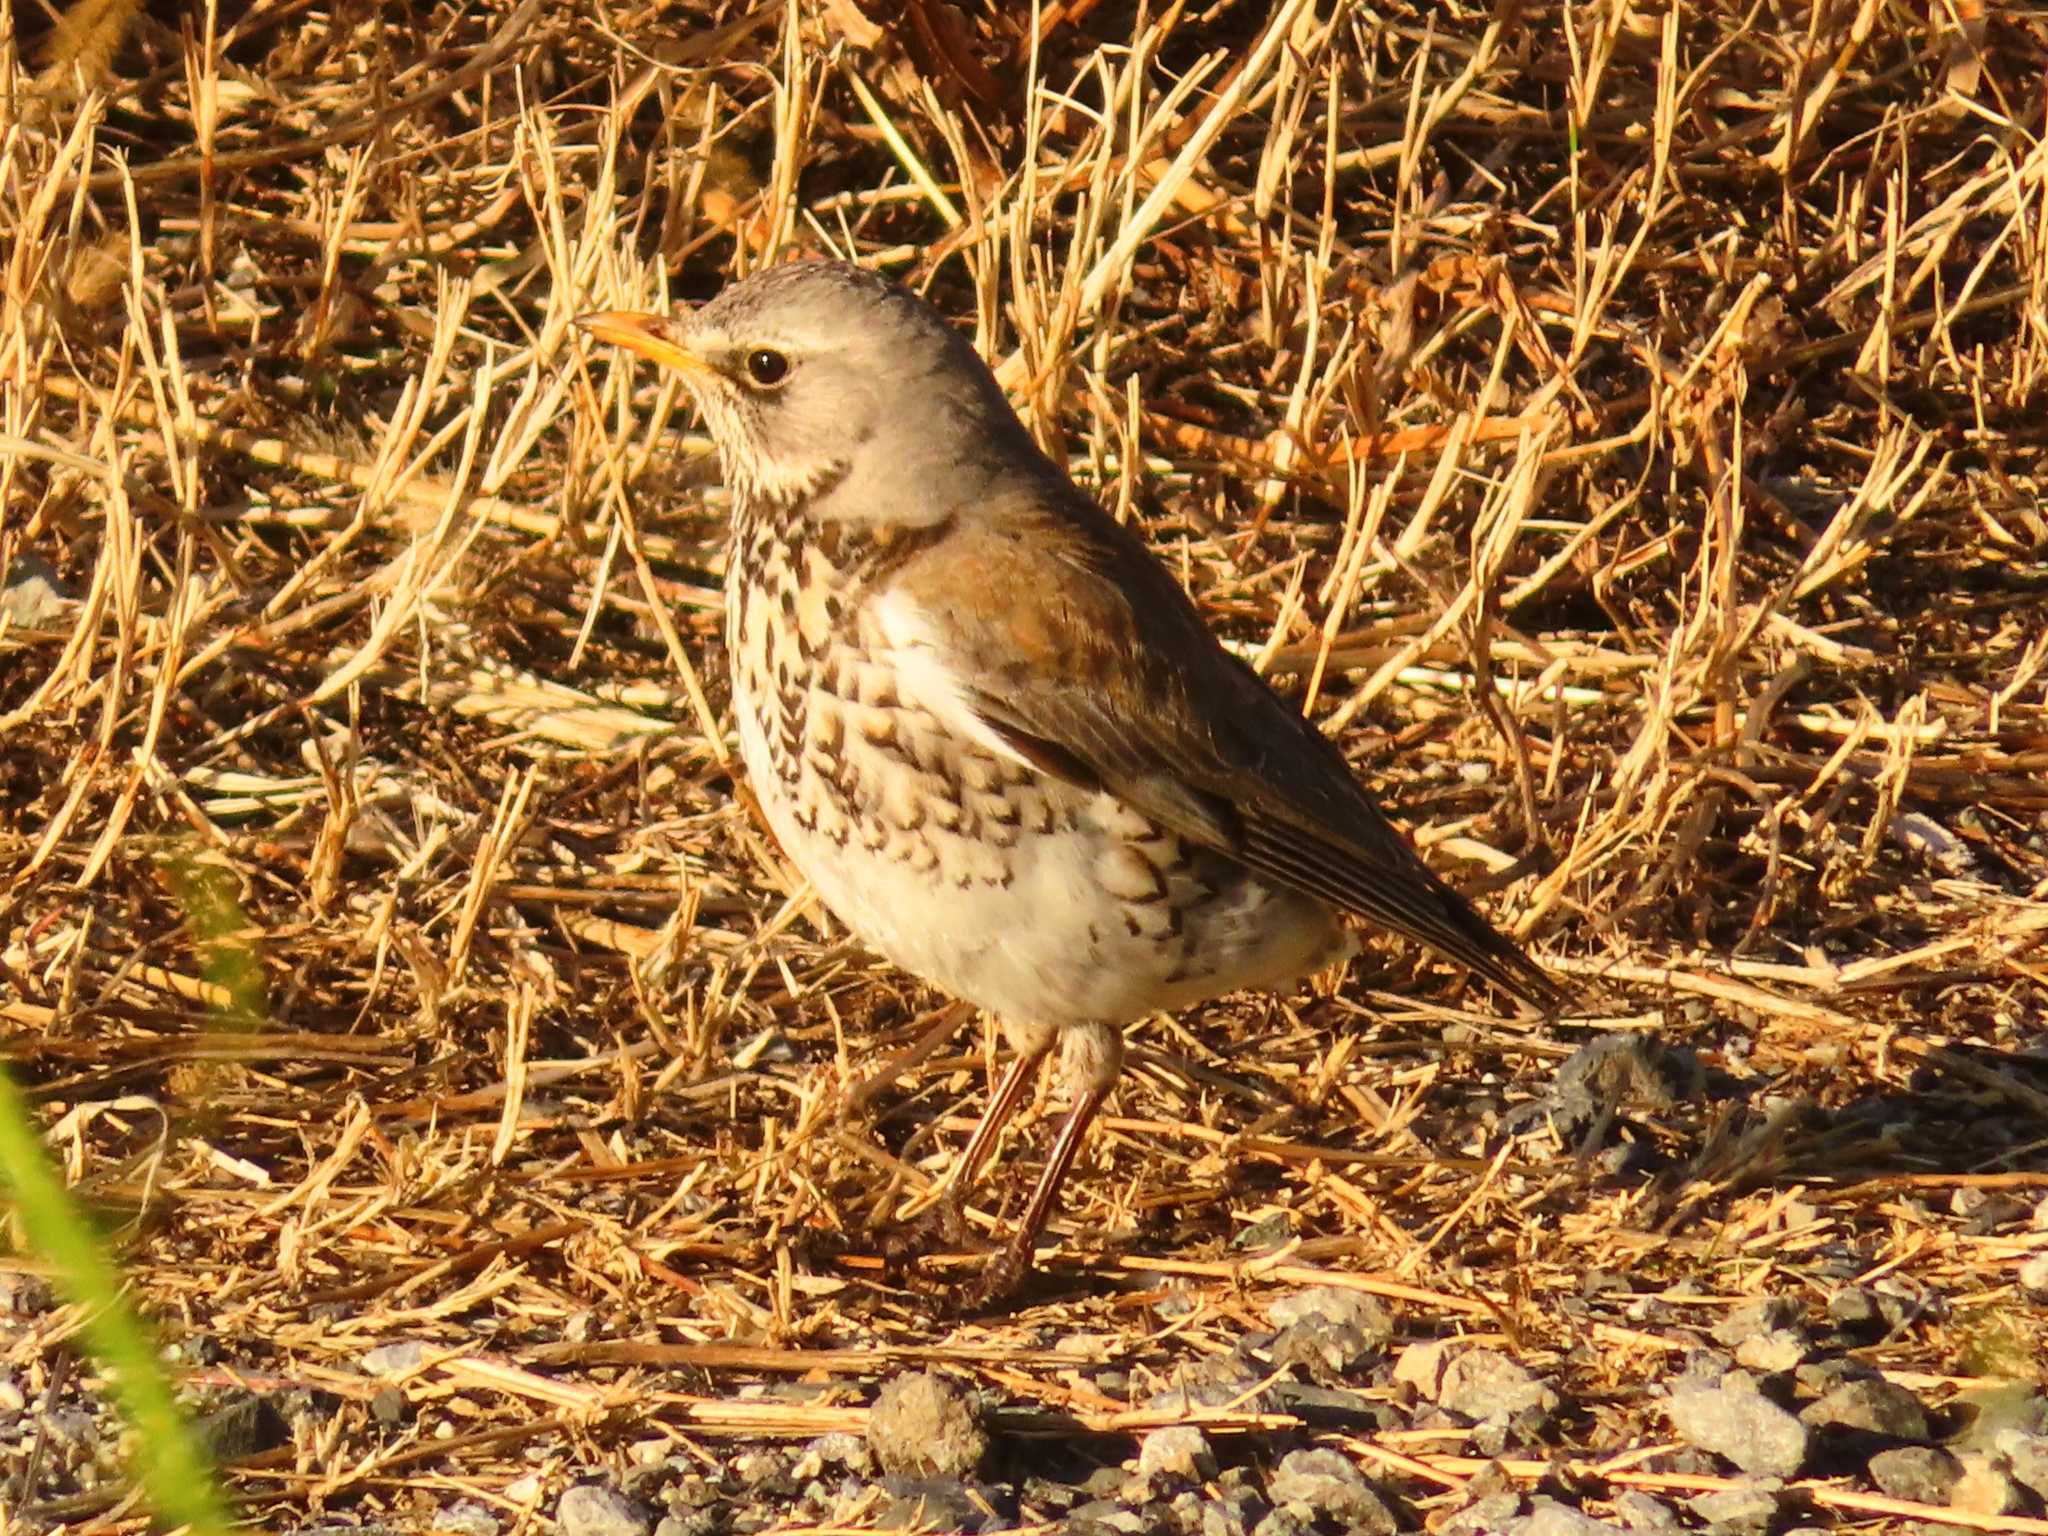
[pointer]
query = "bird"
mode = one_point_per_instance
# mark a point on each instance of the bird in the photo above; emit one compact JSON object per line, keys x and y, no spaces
{"x":988,"y":725}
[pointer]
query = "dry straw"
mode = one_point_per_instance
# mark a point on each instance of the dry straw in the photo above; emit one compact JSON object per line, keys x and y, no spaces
{"x":1621,"y":424}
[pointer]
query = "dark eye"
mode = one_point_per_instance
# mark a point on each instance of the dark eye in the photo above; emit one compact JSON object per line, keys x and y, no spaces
{"x":767,"y":368}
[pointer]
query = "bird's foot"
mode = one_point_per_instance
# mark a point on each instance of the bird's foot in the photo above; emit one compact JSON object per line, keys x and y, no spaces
{"x":1001,"y":1278}
{"x":943,"y":1224}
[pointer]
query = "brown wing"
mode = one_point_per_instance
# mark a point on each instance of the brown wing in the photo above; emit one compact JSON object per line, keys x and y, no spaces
{"x":1107,"y":677}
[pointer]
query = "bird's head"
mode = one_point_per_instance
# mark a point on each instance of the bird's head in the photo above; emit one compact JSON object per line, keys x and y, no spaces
{"x":829,"y":389}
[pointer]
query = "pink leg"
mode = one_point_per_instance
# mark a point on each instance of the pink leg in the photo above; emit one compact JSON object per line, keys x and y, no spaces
{"x":1000,"y":1108}
{"x":1010,"y":1266}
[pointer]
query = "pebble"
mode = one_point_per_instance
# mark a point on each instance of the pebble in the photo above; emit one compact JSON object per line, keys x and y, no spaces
{"x":389,"y":1407}
{"x":1336,"y":1305}
{"x":1547,"y":1517}
{"x":933,"y":1504}
{"x":70,"y":1428}
{"x":1641,"y":1512}
{"x":12,"y":1398}
{"x":1879,"y":1406}
{"x":248,"y":1426}
{"x":1738,"y":1510}
{"x":1105,"y":1515}
{"x":1327,"y":1482}
{"x":1178,"y":1453}
{"x":922,"y":1425}
{"x":1322,"y":1348}
{"x":1820,"y":1377}
{"x":25,"y":1295}
{"x":1775,"y":1351}
{"x":1485,"y":1385}
{"x":465,"y":1518}
{"x":1422,"y":1366}
{"x":838,"y":1449}
{"x":32,"y":596}
{"x":1232,"y":1514}
{"x":1288,"y":1520}
{"x":1335,"y":1406}
{"x":1738,"y":1423}
{"x":1984,"y":1489}
{"x":2033,"y":1276}
{"x":399,"y":1359}
{"x":1921,"y":1473}
{"x":597,"y":1509}
{"x":1773,"y":1314}
{"x":2027,"y":1457}
{"x":1869,"y":1309}
{"x":1487,"y":1515}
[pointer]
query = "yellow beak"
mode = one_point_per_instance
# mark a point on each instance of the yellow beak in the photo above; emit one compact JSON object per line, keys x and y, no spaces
{"x":650,"y":336}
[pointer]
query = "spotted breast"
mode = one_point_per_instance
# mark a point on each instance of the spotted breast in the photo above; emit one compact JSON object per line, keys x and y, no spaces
{"x":953,"y":857}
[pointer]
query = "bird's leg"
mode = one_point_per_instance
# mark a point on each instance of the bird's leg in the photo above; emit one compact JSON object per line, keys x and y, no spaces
{"x":1010,"y":1266}
{"x":952,"y":1201}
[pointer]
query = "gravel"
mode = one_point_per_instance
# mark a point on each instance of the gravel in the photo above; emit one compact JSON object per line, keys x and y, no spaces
{"x":1735,"y":1421}
{"x":1179,"y":1453}
{"x":1486,"y":1386}
{"x":1877,"y":1406}
{"x":598,"y":1509}
{"x":1328,"y":1482}
{"x":1921,"y":1473}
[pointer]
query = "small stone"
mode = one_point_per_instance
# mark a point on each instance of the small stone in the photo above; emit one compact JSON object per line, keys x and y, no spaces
{"x":936,"y":1504}
{"x":1422,"y":1366}
{"x":1738,"y":1423}
{"x":1486,"y":1515}
{"x":1766,"y":1316}
{"x":1487,"y":1386}
{"x":1288,"y":1520}
{"x":1917,"y":1472}
{"x":247,"y":1427}
{"x":698,"y":1522}
{"x":1322,"y":1348}
{"x":1336,"y":1407}
{"x":1325,"y":1481}
{"x":388,"y":1406}
{"x":597,"y":1509}
{"x":1869,"y":1309}
{"x":1640,"y":1512}
{"x":1984,"y":1489}
{"x":26,"y":1295}
{"x":1178,"y":1453}
{"x":1820,"y":1377}
{"x":1547,"y":1517}
{"x":758,"y":1469}
{"x":31,"y":596}
{"x":1876,"y":1405}
{"x":2033,"y":1276}
{"x":1773,"y":1352}
{"x":12,"y":1398}
{"x":399,"y":1359}
{"x":1233,"y":1514}
{"x":70,"y":1429}
{"x":1109,"y":1517}
{"x":1336,"y":1305}
{"x":467,"y":1518}
{"x":1738,"y":1511}
{"x":2027,"y":1457}
{"x":922,"y":1425}
{"x":837,"y":1449}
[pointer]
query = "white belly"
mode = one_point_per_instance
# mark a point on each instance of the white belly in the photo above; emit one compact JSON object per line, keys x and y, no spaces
{"x":1022,"y":895}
